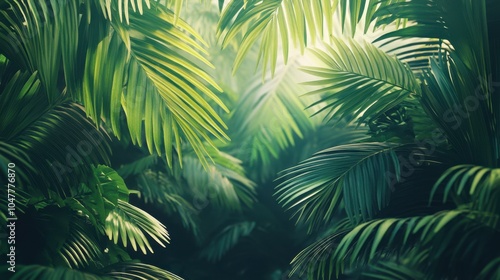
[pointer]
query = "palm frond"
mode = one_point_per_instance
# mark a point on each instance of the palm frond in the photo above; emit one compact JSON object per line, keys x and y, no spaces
{"x":163,"y":101}
{"x":43,"y":37}
{"x":446,"y":235}
{"x":30,"y":129}
{"x":138,"y":166}
{"x":352,"y":72}
{"x":80,"y":249}
{"x":226,"y":240}
{"x":471,"y":184}
{"x":270,"y":116}
{"x":132,"y":271}
{"x":491,"y":270}
{"x":131,"y":224}
{"x":393,"y":270}
{"x":462,"y":108}
{"x":289,"y":21}
{"x":357,"y":174}
{"x":122,"y":271}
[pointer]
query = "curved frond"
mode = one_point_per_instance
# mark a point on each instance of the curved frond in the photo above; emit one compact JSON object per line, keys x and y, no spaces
{"x":138,"y":166}
{"x":276,"y":24}
{"x":42,"y":36}
{"x":460,"y":103}
{"x":361,"y":175}
{"x":352,"y":72}
{"x":54,"y":162}
{"x":162,"y":91}
{"x":79,"y":250}
{"x":471,"y":184}
{"x":131,"y":224}
{"x":270,"y":116}
{"x":393,"y":270}
{"x":447,"y":235}
{"x":491,"y":270}
{"x":132,"y":271}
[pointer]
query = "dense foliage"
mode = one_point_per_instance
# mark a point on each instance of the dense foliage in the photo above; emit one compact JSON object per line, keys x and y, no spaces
{"x":275,"y":139}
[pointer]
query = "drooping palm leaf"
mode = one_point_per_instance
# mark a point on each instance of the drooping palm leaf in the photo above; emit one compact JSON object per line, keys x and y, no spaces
{"x":159,"y":189}
{"x":462,"y":108}
{"x":80,"y":248}
{"x":122,"y":271}
{"x":131,"y":224}
{"x":276,"y":24}
{"x":361,"y":175}
{"x":352,"y":72}
{"x":43,"y":37}
{"x":167,"y":87}
{"x":472,"y":184}
{"x":393,"y":270}
{"x":31,"y":130}
{"x":443,"y":240}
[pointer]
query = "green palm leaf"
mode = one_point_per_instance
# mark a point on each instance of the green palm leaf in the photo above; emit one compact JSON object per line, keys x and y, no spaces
{"x":289,"y":21}
{"x":122,"y":271}
{"x":270,"y":116}
{"x":352,"y":72}
{"x":80,"y":249}
{"x":393,"y":270}
{"x":470,"y":183}
{"x":447,"y":234}
{"x":159,"y":189}
{"x":31,"y":132}
{"x":131,"y":224}
{"x":462,"y":108}
{"x":357,"y":174}
{"x":158,"y":79}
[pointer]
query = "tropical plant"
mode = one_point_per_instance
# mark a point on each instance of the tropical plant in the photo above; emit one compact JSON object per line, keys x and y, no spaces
{"x":421,"y":205}
{"x":71,"y":74}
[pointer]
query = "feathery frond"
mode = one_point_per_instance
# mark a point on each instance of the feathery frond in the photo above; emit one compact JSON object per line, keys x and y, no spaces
{"x":352,"y":72}
{"x":131,"y":224}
